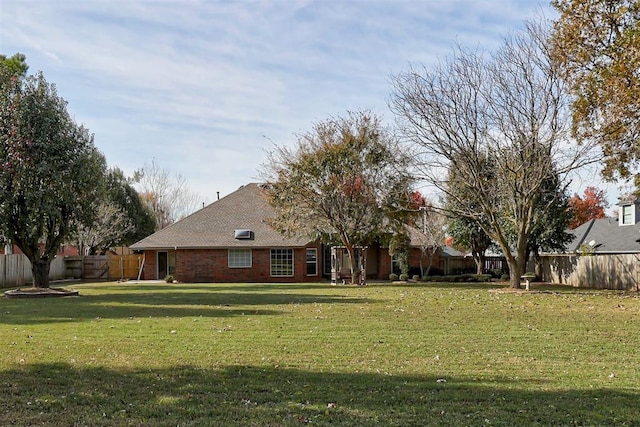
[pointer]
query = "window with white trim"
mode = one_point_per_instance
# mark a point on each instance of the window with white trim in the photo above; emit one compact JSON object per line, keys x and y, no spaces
{"x":239,"y":258}
{"x":627,"y":215}
{"x":312,"y":262}
{"x":282,"y":262}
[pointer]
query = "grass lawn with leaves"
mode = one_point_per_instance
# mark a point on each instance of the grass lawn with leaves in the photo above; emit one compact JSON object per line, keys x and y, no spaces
{"x":158,"y":354}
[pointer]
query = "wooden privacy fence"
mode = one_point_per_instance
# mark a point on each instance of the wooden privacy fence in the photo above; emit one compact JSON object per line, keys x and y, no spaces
{"x":110,"y":267}
{"x":15,"y":270}
{"x":597,"y":271}
{"x":125,"y":266}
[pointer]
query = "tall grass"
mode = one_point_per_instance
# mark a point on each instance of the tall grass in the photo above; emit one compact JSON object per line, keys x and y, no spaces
{"x":295,"y":354}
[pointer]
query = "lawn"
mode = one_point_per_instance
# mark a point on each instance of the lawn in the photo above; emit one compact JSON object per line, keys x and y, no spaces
{"x":158,"y":354}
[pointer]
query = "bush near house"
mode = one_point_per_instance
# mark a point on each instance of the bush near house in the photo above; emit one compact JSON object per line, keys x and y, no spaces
{"x":480,"y":278}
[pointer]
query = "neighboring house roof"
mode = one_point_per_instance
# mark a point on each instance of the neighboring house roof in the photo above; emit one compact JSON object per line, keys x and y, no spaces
{"x":214,"y":226}
{"x":607,"y":235}
{"x":450,"y":251}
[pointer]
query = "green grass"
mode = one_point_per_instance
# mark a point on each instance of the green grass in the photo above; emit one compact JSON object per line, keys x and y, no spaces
{"x":296,"y":354}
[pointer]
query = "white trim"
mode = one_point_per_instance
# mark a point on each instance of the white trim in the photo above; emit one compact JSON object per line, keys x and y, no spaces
{"x":271,"y":266}
{"x":630,"y":214}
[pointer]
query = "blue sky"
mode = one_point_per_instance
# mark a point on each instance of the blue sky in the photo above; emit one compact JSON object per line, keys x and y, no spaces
{"x":205,"y":87}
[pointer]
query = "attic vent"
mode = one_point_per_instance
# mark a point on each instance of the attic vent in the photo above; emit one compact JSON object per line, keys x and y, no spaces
{"x":243,"y":234}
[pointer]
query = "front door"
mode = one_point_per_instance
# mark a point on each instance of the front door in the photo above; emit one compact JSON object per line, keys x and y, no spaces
{"x":163,"y":265}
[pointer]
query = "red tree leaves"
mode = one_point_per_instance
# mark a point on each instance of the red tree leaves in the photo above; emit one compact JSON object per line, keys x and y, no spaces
{"x":591,"y":206}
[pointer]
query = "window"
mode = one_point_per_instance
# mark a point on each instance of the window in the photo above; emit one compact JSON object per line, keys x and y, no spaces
{"x":326,"y":260}
{"x":396,"y":264}
{"x":627,"y":213}
{"x":282,"y":262}
{"x":239,"y":258}
{"x":312,"y":262}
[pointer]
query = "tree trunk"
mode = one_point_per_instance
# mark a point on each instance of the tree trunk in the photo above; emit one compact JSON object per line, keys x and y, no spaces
{"x":355,"y":272}
{"x":516,"y":270}
{"x":479,"y":266}
{"x":479,"y":257}
{"x":431,"y":255}
{"x":40,"y":271}
{"x":517,"y":264}
{"x":537,"y":265}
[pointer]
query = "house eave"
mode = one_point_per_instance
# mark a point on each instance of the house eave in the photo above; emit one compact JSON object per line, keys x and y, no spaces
{"x":189,"y":247}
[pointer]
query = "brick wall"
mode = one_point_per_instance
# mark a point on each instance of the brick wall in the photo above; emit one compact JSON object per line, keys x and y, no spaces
{"x":211,"y":265}
{"x":384,"y":261}
{"x":149,"y":269}
{"x":414,"y":259}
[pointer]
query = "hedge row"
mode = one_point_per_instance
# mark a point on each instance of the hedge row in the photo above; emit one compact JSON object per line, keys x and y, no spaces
{"x":455,"y":279}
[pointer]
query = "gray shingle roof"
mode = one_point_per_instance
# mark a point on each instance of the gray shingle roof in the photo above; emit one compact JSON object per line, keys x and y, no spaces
{"x":608,"y":235}
{"x":213,"y":226}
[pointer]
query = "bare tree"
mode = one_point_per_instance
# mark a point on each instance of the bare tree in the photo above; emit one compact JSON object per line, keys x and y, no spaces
{"x":500,"y":121}
{"x":167,"y":195}
{"x":106,"y":232}
{"x":431,"y":234}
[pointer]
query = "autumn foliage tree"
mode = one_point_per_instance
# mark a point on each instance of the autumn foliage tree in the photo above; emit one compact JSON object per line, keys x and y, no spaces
{"x":595,"y":43}
{"x":591,"y":206}
{"x":346,"y":180}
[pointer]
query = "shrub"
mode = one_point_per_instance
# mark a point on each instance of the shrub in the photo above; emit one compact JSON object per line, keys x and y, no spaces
{"x":504,"y":277}
{"x":460,"y":278}
{"x":169,"y":278}
{"x":393,"y":277}
{"x":404,"y":277}
{"x":496,"y":272}
{"x":416,"y":277}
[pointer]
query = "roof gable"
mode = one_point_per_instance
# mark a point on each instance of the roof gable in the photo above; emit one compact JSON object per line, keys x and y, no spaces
{"x":215,"y":225}
{"x":607,"y":236}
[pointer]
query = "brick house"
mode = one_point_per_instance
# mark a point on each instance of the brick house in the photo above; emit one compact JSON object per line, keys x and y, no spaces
{"x":230,"y":240}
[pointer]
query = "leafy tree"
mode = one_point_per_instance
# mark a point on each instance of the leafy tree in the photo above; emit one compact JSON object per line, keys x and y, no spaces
{"x":468,"y":233}
{"x":506,"y":109}
{"x":14,"y":66}
{"x":595,"y":42}
{"x":399,"y":247}
{"x":591,"y":206}
{"x":166,"y":195}
{"x":347,"y":178}
{"x":122,"y":193}
{"x":465,"y":230}
{"x":549,"y":233}
{"x":50,"y":175}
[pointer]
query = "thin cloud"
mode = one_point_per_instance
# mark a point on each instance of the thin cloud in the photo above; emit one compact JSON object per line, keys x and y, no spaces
{"x":202,"y":86}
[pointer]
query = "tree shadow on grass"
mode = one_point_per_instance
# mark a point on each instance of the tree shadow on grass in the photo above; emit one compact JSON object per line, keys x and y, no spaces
{"x":145,"y":303}
{"x":59,"y":394}
{"x":215,"y":287}
{"x":481,"y":286}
